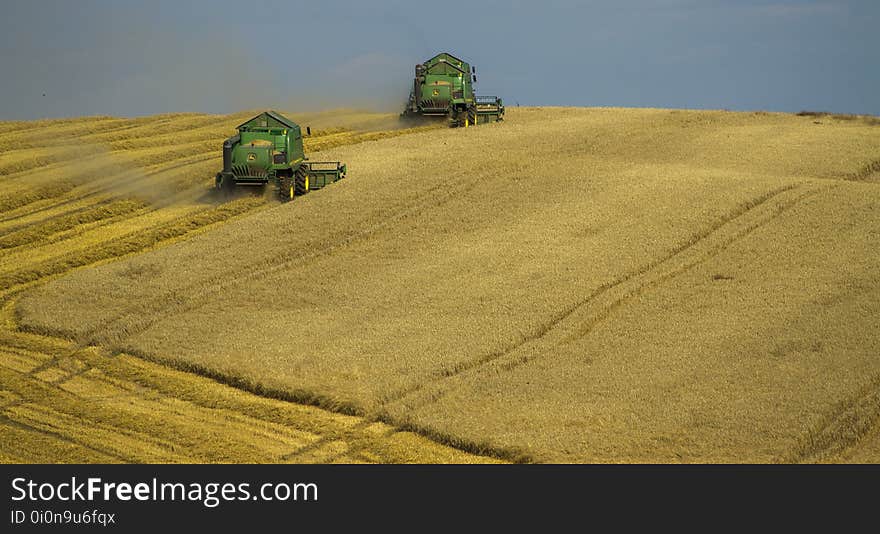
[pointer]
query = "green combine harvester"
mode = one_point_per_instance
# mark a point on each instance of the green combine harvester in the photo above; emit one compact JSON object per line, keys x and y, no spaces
{"x":269,"y":148}
{"x":444,"y":87}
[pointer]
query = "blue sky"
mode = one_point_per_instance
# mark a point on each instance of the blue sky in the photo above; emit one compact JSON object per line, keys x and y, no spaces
{"x":125,"y":58}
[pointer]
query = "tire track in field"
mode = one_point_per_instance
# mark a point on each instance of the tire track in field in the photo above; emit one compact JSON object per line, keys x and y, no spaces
{"x":108,"y":414}
{"x":62,"y":423}
{"x":100,"y":167}
{"x":51,"y":219}
{"x":78,"y":192}
{"x":24,"y":127}
{"x":50,"y":360}
{"x":137,"y":440}
{"x":69,"y":149}
{"x":10,"y":280}
{"x":58,"y":369}
{"x":66,"y":260}
{"x":115,"y":210}
{"x":133,"y":242}
{"x":53,"y":238}
{"x":17,"y":203}
{"x":866,"y":174}
{"x":580,"y":318}
{"x":69,"y":156}
{"x":6,"y":420}
{"x":215,"y":285}
{"x":842,"y":430}
{"x":94,"y":216}
{"x":68,"y":138}
{"x":134,"y":320}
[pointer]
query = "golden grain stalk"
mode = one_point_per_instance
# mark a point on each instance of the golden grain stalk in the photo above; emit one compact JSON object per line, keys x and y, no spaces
{"x":569,"y":285}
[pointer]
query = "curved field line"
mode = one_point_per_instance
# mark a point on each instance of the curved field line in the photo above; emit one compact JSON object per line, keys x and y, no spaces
{"x":579,"y":319}
{"x":170,"y":304}
{"x":865,"y":173}
{"x":841,"y":430}
{"x":59,"y":351}
{"x":96,"y":137}
{"x":91,"y":189}
{"x":77,"y":229}
{"x":6,"y":420}
{"x":20,"y":127}
{"x":70,"y":228}
{"x":14,"y":228}
{"x":76,"y":191}
{"x":104,"y":188}
{"x":130,"y":243}
{"x":69,"y":225}
{"x":191,"y":405}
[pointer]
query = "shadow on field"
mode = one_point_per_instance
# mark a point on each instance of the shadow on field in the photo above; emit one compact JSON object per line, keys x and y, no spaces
{"x":867,"y":119}
{"x":215,"y":197}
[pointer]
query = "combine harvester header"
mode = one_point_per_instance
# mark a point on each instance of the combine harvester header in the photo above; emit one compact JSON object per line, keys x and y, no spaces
{"x":444,"y":87}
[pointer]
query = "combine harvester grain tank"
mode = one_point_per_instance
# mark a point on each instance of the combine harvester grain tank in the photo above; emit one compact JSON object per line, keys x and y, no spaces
{"x":269,"y":148}
{"x":444,"y":87}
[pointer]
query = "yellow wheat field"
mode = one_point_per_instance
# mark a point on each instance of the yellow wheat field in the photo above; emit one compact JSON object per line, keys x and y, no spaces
{"x":86,"y":191}
{"x":603,"y":285}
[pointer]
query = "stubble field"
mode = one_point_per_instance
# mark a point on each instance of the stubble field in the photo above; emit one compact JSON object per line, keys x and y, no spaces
{"x":608,"y":285}
{"x":82,"y":192}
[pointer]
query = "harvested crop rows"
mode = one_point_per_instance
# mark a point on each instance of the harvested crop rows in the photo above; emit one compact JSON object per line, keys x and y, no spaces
{"x":106,"y":188}
{"x":603,"y":285}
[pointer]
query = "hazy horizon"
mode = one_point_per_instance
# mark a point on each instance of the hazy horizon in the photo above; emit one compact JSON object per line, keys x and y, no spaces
{"x":99,"y":57}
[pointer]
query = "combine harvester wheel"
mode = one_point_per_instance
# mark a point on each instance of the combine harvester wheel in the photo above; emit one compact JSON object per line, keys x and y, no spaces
{"x":302,"y":183}
{"x":286,"y":188}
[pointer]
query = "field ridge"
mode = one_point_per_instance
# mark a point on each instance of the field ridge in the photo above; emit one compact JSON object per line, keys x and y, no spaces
{"x":642,"y":279}
{"x":62,"y":401}
{"x":599,"y":285}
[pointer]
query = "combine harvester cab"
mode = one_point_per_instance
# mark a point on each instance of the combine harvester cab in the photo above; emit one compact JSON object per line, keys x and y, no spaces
{"x":444,"y":87}
{"x":269,"y":148}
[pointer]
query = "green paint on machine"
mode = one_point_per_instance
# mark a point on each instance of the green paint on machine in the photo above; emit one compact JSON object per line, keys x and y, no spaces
{"x":444,"y":87}
{"x":269,"y":148}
